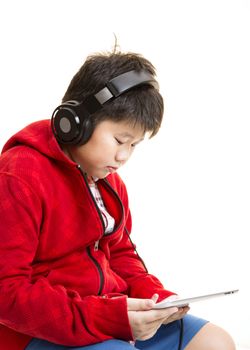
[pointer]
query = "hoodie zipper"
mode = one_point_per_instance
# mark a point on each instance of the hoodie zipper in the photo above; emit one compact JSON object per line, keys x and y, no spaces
{"x":99,"y":269}
{"x":96,"y":244}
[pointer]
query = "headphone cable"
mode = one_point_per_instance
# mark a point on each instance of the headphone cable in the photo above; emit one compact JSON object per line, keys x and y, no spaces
{"x":181,"y":334}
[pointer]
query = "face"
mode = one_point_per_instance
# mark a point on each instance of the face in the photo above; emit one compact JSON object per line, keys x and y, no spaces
{"x":110,"y":146}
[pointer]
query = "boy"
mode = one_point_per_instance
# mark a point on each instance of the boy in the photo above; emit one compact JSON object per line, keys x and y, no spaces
{"x":70,"y":275}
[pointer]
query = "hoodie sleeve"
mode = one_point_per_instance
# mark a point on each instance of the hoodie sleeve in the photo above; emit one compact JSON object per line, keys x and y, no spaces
{"x":39,"y":309}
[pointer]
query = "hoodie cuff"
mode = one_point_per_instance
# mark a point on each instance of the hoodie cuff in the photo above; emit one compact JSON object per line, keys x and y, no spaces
{"x":110,"y":317}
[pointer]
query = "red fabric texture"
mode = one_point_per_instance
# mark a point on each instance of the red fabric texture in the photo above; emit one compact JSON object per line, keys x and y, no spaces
{"x":53,"y":284}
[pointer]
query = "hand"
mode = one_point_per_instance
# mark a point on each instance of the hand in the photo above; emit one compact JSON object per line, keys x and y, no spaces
{"x":144,"y":321}
{"x":182,"y":311}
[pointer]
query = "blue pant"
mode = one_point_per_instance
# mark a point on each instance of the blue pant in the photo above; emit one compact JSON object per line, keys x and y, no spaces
{"x":166,"y":338}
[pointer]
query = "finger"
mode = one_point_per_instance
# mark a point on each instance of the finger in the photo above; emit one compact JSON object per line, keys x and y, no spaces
{"x":134,"y":304}
{"x":160,"y":314}
{"x":183,"y":310}
{"x":155,"y":297}
{"x":178,"y":315}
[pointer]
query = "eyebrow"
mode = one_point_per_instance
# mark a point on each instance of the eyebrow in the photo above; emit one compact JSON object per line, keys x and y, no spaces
{"x":127,"y":134}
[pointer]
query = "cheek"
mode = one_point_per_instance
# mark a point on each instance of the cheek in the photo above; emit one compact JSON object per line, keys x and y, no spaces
{"x":103,"y":146}
{"x":97,"y":150}
{"x":99,"y":154}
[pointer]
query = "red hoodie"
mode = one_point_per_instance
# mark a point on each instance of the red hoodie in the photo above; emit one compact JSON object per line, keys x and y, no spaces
{"x":54,"y":284}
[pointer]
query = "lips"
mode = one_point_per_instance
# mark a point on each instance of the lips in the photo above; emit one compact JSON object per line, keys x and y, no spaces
{"x":112,"y":169}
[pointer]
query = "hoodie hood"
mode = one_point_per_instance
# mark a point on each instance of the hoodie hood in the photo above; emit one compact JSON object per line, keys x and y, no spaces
{"x":39,"y":136}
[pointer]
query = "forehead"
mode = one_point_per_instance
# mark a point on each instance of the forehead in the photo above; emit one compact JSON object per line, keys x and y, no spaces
{"x":121,"y":128}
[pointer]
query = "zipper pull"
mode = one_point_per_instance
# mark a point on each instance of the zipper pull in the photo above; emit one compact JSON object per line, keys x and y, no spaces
{"x":96,"y":245}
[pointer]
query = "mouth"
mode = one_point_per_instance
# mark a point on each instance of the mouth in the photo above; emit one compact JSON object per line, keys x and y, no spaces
{"x":112,"y":169}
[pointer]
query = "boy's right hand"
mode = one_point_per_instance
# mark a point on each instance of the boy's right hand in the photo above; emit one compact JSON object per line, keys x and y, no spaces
{"x":144,"y":321}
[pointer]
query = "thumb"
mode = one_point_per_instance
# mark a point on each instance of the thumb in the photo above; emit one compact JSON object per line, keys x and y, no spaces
{"x":134,"y":304}
{"x":155,"y":297}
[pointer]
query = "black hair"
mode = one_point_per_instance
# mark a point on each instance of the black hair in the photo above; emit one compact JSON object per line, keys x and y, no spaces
{"x":142,"y":105}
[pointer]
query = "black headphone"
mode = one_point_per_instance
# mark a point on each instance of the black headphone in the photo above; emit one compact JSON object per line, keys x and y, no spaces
{"x":71,"y":121}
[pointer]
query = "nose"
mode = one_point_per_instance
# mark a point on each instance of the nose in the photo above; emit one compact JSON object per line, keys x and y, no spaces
{"x":123,"y":155}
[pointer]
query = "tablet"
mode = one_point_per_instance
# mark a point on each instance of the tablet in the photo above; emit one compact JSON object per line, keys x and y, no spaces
{"x":185,"y":301}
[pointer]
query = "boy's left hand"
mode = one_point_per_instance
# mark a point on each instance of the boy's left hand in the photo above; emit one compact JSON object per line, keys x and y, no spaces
{"x":182,"y":311}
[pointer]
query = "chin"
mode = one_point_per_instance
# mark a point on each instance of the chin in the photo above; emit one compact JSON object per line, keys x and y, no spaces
{"x":104,"y":176}
{"x":101,"y":175}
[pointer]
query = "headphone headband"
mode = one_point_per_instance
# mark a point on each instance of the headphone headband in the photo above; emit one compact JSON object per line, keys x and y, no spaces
{"x":117,"y":86}
{"x":71,"y":121}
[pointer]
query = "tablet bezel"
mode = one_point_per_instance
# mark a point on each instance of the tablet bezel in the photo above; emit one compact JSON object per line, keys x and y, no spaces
{"x":181,"y":302}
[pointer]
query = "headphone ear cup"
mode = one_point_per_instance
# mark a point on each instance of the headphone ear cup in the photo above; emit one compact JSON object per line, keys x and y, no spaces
{"x":72,"y":124}
{"x":65,"y":125}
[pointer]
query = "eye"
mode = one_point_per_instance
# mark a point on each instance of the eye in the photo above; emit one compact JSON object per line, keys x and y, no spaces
{"x":118,"y":141}
{"x":135,"y":144}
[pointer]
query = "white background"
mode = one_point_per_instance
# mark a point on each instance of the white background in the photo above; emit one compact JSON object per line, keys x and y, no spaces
{"x":189,"y":186}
